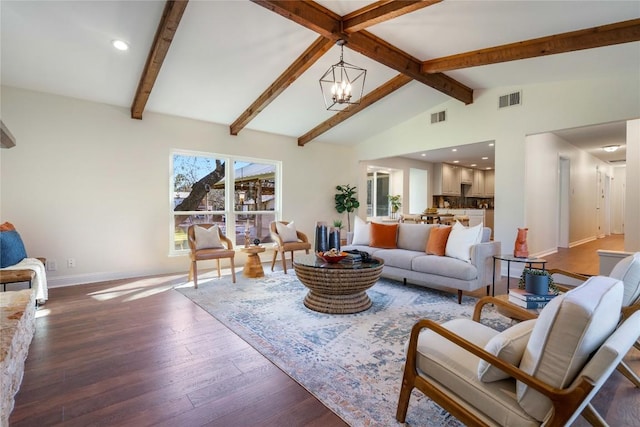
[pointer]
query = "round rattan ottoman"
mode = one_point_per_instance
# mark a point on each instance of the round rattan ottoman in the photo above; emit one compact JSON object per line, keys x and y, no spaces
{"x":337,"y":288}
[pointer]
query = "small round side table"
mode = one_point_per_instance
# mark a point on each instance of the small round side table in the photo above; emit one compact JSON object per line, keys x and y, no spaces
{"x":253,"y":266}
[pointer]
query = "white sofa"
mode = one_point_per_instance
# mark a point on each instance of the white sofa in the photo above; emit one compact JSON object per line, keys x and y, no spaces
{"x":409,"y":262}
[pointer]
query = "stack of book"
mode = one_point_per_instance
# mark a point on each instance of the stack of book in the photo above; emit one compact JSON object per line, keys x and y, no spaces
{"x":528,"y":300}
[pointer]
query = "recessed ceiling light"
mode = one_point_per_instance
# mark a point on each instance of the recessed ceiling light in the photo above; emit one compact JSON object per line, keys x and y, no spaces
{"x":120,"y":45}
{"x":491,"y":144}
{"x":485,"y":158}
{"x":610,"y":148}
{"x":473,"y":164}
{"x":424,"y":154}
{"x":488,"y":168}
{"x":454,"y":149}
{"x":456,"y":161}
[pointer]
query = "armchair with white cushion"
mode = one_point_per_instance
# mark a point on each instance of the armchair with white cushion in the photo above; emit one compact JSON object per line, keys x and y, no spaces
{"x":543,"y":371}
{"x":287,"y":239}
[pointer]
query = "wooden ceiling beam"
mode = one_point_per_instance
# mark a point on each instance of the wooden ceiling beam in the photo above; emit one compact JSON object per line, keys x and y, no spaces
{"x":173,"y":11}
{"x":606,"y":35}
{"x":328,"y":24}
{"x":372,"y":97}
{"x":381,"y":11}
{"x":291,"y":74}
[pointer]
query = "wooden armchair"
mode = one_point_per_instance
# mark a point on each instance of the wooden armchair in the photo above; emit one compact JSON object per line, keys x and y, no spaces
{"x":539,"y":372}
{"x":207,"y":242}
{"x":287,"y":243}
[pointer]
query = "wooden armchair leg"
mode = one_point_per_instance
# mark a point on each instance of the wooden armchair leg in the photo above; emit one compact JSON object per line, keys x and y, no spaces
{"x":275,"y":255}
{"x":194,"y":267}
{"x":233,"y":271}
{"x":625,"y":370}
{"x":190,"y":276}
{"x":459,"y":296}
{"x":218,"y":265}
{"x":284,"y":262}
{"x":591,"y":415}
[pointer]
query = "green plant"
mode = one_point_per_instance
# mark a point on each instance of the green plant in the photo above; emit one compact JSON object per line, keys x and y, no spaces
{"x":337,"y":223}
{"x":395,"y":202}
{"x":346,"y":201}
{"x":538,"y":272}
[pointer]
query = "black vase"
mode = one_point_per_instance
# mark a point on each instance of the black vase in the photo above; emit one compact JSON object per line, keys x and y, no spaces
{"x":334,"y":239}
{"x":322,"y":237}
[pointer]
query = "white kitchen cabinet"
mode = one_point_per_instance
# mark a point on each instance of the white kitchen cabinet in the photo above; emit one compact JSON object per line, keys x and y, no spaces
{"x":466,"y":176}
{"x":477,"y":187}
{"x":446,"y":180}
{"x":489,"y":183}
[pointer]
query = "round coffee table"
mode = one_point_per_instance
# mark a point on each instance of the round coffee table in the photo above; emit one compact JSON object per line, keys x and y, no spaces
{"x":337,"y":288}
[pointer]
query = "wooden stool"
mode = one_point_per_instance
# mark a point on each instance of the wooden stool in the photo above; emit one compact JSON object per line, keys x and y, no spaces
{"x":16,"y":276}
{"x":253,"y":266}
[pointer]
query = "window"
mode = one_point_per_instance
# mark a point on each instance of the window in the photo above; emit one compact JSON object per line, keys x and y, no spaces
{"x":241,"y":195}
{"x":377,"y":194}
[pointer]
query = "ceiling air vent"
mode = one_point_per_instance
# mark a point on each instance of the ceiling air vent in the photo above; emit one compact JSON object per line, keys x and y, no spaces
{"x":438,"y":117}
{"x":510,"y":100}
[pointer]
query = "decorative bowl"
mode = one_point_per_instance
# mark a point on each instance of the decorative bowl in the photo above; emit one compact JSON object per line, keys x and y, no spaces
{"x":332,"y":259}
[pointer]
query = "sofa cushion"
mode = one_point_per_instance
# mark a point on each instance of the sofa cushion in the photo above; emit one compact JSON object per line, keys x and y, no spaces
{"x":12,"y":249}
{"x":399,"y":258}
{"x":437,"y":242}
{"x":444,"y":266}
{"x":508,"y":345}
{"x":569,"y":329}
{"x":361,"y":232}
{"x":414,"y":237}
{"x":384,"y":235}
{"x":461,"y":239}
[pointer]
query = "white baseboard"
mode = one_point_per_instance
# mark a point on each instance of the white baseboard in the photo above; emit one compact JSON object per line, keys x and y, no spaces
{"x":81,"y":279}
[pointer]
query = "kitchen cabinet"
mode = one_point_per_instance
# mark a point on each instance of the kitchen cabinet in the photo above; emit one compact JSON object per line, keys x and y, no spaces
{"x":446,"y":180}
{"x":466,"y":176}
{"x":477,"y":187}
{"x":489,"y":183}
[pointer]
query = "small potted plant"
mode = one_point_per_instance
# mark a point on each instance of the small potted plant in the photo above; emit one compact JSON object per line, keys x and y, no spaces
{"x":395,"y":203}
{"x":537,"y":281}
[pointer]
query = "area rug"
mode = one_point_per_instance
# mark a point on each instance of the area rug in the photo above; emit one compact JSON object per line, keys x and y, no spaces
{"x":352,"y":363}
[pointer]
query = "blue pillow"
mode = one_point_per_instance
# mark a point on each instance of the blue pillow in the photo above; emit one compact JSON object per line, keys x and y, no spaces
{"x":12,"y":249}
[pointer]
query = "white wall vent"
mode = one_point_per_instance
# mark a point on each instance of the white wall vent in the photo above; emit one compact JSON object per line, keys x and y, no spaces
{"x":510,"y":99}
{"x":438,"y":117}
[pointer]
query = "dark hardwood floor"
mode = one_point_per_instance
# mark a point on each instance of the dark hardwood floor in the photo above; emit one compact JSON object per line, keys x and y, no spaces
{"x":134,"y":352}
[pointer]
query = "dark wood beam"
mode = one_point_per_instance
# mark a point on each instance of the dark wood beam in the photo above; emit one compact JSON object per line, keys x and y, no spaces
{"x":328,"y":24}
{"x":381,"y":11}
{"x":606,"y":35}
{"x":167,"y":27}
{"x":291,"y":74}
{"x":372,"y":97}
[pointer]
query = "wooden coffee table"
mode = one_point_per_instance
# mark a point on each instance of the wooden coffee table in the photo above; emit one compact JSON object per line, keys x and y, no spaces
{"x":253,"y":266}
{"x":337,"y":288}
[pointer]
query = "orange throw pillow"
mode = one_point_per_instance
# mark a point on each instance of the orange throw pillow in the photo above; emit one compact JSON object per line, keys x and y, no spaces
{"x":437,"y":242}
{"x":384,"y":236}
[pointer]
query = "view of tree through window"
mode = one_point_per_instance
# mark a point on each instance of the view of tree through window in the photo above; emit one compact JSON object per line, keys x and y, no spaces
{"x":238,"y":195}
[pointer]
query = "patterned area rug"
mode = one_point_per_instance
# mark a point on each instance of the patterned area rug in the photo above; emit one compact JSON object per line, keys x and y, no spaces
{"x":353,"y":363}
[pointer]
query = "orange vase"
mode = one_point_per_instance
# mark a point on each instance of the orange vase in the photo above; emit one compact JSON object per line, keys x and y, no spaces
{"x":520,"y":249}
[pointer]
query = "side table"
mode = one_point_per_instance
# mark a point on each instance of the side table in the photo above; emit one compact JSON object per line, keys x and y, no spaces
{"x":509,"y":259}
{"x":253,"y":266}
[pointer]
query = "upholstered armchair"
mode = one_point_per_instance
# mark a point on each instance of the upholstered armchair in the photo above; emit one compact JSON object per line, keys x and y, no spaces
{"x":287,"y":239}
{"x":208,"y":242}
{"x":541,"y":371}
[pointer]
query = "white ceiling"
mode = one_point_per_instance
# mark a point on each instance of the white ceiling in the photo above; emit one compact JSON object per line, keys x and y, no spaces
{"x":226,"y":53}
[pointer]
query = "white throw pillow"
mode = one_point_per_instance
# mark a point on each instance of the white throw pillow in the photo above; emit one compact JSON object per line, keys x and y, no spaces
{"x":287,"y":232}
{"x":208,"y":238}
{"x":461,"y":239}
{"x":361,"y":232}
{"x":509,"y":346}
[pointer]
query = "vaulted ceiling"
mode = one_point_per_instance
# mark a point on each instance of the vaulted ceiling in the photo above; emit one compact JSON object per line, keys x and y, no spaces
{"x":256,"y":65}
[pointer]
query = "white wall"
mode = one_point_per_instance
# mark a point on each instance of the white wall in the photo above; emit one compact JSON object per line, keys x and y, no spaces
{"x":632,"y":193}
{"x":542,"y":153}
{"x":85,"y":181}
{"x":617,"y":199}
{"x":545,"y":108}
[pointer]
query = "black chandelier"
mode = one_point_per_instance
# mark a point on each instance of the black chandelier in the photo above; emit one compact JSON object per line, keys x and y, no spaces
{"x":343,"y":84}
